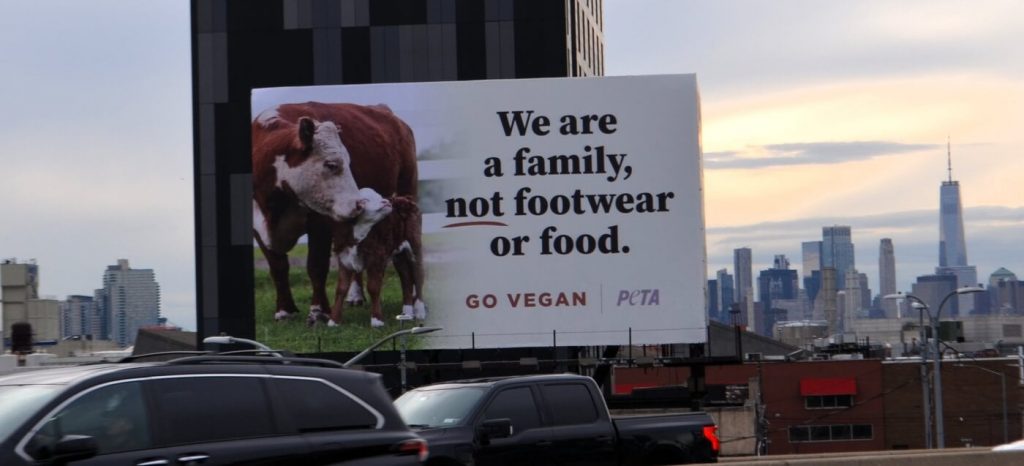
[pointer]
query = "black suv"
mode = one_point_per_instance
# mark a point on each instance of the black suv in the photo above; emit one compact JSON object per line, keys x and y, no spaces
{"x":208,"y":409}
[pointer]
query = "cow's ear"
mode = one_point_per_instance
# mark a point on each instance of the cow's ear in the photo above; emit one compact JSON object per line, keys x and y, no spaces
{"x":306,"y":130}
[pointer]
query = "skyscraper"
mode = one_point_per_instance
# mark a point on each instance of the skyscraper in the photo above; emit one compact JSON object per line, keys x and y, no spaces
{"x":837,"y":252}
{"x":887,"y":276}
{"x":811,"y":260}
{"x":78,"y":316}
{"x":131,"y":300}
{"x":952,"y":243}
{"x":778,"y":283}
{"x":744,"y":285}
{"x":932,"y":289}
{"x":726,"y":295}
{"x":239,"y":45}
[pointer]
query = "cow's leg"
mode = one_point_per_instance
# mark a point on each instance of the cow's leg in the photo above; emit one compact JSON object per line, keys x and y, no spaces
{"x":344,"y":282}
{"x":419,"y":277}
{"x":374,"y":284}
{"x":318,"y":265}
{"x":412,"y":254}
{"x":403,"y":267}
{"x":355,"y":291}
{"x":278,"y":264}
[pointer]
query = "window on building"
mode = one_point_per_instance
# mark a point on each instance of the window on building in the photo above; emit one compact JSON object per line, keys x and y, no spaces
{"x":828,"y":401}
{"x":830,"y":433}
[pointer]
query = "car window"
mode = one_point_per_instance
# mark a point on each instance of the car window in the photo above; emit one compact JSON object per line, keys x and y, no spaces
{"x":208,"y":409}
{"x":18,"y":403}
{"x":114,"y":415}
{"x":316,"y":406}
{"x":570,"y":403}
{"x":438,"y":407}
{"x":516,"y":404}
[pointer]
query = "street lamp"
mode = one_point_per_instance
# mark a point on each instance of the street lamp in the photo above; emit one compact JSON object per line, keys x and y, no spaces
{"x":923,"y":351}
{"x":1002,"y":380}
{"x":940,"y":433}
{"x":403,"y":332}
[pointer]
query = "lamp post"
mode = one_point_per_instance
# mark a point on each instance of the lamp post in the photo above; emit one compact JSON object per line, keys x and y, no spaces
{"x":1002,"y":382}
{"x":940,"y":432}
{"x":400,"y":333}
{"x":923,"y":351}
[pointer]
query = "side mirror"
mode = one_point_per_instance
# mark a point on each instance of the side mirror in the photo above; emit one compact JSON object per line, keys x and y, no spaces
{"x":73,"y":448}
{"x":494,"y":429}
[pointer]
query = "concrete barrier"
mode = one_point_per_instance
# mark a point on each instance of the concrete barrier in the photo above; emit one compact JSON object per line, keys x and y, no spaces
{"x":946,"y":457}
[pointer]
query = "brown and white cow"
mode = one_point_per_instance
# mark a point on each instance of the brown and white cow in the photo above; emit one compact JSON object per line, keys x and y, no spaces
{"x":309,"y":160}
{"x":386,"y":230}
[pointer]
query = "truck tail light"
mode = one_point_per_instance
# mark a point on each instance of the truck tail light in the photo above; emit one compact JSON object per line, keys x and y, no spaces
{"x":414,"y":446}
{"x":711,"y":433}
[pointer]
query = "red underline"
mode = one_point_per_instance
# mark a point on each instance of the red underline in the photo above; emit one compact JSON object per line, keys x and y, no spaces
{"x":477,"y":223}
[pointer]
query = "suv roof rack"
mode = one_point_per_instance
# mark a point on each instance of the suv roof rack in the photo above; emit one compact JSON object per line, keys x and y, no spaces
{"x":221,"y":358}
{"x":259,"y":352}
{"x":140,"y":357}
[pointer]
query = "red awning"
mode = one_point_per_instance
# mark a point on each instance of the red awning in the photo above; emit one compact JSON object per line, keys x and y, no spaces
{"x":819,"y":387}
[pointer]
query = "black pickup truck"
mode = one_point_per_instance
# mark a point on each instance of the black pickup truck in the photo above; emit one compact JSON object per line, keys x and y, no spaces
{"x":547,"y":420}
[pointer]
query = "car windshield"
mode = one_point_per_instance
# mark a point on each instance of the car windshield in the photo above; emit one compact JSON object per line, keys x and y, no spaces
{"x":437,"y":407}
{"x":20,"y":402}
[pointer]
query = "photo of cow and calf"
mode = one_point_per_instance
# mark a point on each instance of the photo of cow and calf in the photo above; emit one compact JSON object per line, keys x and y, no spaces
{"x":505,"y":212}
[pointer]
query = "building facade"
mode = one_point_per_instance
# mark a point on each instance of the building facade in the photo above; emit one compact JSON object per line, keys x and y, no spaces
{"x":952,"y":242}
{"x":239,"y":45}
{"x":887,"y":276}
{"x":19,"y":296}
{"x":78,"y":317}
{"x":776,"y":284}
{"x":1005,"y":293}
{"x":130,"y":299}
{"x":932,"y":289}
{"x":726,"y":295}
{"x":837,"y":252}
{"x":744,"y":285}
{"x":810,"y":273}
{"x":850,"y":405}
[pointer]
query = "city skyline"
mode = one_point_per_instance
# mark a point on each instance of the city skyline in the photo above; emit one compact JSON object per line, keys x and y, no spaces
{"x":814,"y":114}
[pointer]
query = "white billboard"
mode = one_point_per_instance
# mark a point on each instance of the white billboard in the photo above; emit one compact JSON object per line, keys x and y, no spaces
{"x":561,"y":211}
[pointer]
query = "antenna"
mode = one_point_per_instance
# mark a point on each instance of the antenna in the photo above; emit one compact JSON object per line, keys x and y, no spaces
{"x":949,"y":160}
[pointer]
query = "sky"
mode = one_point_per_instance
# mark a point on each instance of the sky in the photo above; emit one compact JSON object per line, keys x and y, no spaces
{"x":813,"y":113}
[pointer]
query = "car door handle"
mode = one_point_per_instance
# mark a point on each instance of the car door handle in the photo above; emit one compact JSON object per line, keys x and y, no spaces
{"x":603,"y":439}
{"x":543,"y":443}
{"x":193,"y":458}
{"x":156,"y":462}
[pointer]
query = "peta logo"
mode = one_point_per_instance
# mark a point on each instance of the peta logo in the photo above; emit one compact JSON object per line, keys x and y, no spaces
{"x":648,"y":297}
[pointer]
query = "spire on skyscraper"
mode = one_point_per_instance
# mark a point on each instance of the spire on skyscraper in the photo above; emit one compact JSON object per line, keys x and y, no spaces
{"x":949,"y":160}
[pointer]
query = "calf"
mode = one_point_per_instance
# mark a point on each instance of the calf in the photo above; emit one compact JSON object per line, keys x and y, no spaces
{"x":386,"y":230}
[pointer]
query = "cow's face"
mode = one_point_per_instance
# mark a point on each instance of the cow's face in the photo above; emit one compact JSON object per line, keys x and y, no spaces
{"x":321,"y":178}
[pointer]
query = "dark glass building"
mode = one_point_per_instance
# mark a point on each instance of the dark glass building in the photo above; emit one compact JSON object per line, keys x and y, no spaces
{"x":239,"y":45}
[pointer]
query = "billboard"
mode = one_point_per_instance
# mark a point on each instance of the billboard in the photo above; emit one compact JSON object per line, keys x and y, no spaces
{"x":513,"y":213}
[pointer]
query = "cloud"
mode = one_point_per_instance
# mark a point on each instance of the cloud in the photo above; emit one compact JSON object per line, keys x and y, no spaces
{"x":808,"y":153}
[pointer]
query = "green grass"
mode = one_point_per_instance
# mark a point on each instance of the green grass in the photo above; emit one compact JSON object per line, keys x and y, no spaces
{"x":354,"y":333}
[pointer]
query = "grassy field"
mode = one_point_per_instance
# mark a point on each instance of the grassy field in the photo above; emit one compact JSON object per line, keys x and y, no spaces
{"x":354,"y":333}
